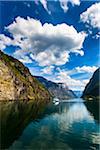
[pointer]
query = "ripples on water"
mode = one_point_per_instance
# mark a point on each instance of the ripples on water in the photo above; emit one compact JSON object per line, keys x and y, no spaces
{"x":66,"y":126}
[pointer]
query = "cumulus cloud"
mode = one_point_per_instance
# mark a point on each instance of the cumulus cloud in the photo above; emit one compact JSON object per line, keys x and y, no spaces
{"x":4,"y":41}
{"x":64,"y":4}
{"x":47,"y":44}
{"x":48,"y":58}
{"x":92,"y":16}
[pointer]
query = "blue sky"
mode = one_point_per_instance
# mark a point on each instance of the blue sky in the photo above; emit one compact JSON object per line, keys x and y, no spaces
{"x":55,"y":39}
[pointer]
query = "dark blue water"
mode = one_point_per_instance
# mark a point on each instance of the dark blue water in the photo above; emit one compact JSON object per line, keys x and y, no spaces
{"x":70,"y":125}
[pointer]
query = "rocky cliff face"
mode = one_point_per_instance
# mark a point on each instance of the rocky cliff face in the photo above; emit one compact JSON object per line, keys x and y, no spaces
{"x":92,"y":88}
{"x":57,"y":90}
{"x":16,"y":82}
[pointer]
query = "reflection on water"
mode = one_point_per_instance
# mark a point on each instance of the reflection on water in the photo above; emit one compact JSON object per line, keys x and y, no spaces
{"x":93,"y":107}
{"x":14,"y":117}
{"x":66,"y":126}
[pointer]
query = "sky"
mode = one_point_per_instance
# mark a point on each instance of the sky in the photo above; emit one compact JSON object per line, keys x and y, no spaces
{"x":56,"y":39}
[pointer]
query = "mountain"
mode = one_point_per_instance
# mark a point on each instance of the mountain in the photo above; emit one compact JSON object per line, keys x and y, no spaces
{"x":57,"y":90}
{"x":78,"y":93}
{"x":16,"y":82}
{"x":92,"y":88}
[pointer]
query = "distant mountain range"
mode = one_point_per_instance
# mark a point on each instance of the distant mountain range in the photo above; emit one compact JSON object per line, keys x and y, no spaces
{"x":92,"y":89}
{"x":78,"y":93}
{"x":16,"y":82}
{"x":58,"y":90}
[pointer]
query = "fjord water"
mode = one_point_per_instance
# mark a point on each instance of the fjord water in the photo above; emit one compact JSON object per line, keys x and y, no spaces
{"x":68,"y":125}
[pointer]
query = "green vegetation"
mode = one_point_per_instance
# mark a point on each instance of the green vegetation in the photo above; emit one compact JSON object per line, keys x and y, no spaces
{"x":18,"y":81}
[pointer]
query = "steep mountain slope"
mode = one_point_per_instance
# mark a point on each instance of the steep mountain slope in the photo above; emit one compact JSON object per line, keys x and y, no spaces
{"x":16,"y":82}
{"x":78,"y":93}
{"x":57,"y":90}
{"x":92,"y":88}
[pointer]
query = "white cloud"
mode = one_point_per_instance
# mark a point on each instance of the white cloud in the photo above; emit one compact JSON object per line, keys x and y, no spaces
{"x":2,"y":46}
{"x":64,"y":4}
{"x":25,"y":59}
{"x":84,"y":69}
{"x":48,"y":70}
{"x":47,"y":44}
{"x":48,"y":58}
{"x":74,"y":84}
{"x":87,"y":69}
{"x":96,"y":36}
{"x":44,"y":4}
{"x":64,"y":76}
{"x":92,"y":16}
{"x":4,"y":41}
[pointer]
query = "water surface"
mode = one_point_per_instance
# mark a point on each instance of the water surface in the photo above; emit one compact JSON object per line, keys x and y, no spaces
{"x":69,"y":125}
